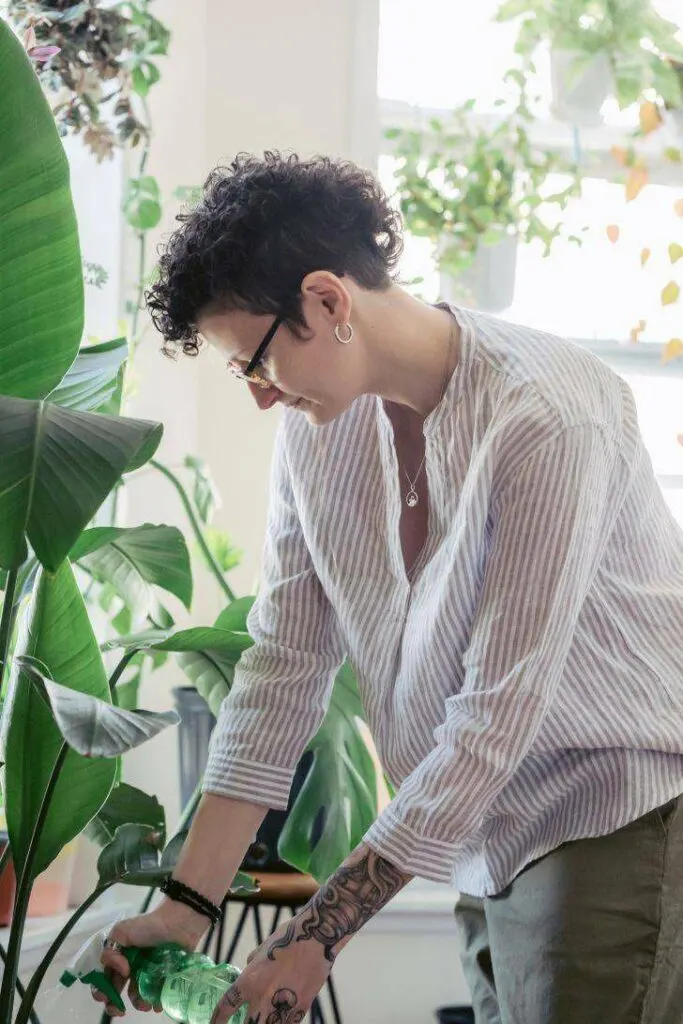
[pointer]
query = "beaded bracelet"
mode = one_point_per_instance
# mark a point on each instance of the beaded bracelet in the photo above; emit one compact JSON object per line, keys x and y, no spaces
{"x":182,"y":893}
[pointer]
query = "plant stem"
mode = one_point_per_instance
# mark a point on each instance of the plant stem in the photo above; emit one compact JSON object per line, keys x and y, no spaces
{"x":7,"y":620}
{"x":5,"y":856}
{"x":21,"y":991}
{"x":118,"y":671}
{"x":24,"y":886}
{"x":196,"y":528}
{"x":38,"y":975}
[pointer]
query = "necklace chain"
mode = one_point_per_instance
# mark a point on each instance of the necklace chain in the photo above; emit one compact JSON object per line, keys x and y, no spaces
{"x":412,"y":497}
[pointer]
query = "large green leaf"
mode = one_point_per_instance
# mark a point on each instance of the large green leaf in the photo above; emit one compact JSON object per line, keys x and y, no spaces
{"x":339,"y":794}
{"x":126,"y":805}
{"x":135,"y":560}
{"x":57,"y":633}
{"x":206,"y":655}
{"x":92,"y":380}
{"x":94,"y":727}
{"x":41,"y":276}
{"x":57,"y":467}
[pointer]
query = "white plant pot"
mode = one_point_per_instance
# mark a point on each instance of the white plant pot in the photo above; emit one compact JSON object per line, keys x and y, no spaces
{"x":489,"y":283}
{"x":579,"y":95}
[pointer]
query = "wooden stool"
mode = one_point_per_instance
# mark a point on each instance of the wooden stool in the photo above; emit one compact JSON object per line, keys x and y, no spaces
{"x":280,"y":891}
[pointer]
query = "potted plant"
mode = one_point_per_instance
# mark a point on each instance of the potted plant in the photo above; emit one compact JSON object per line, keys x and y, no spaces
{"x":598,"y":47}
{"x":476,"y":191}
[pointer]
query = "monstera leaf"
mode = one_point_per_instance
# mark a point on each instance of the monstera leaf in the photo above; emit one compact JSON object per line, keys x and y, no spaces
{"x":135,"y":560}
{"x":41,"y":274}
{"x":339,"y":794}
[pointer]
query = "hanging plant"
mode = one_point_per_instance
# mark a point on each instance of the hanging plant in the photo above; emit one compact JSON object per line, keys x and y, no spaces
{"x":96,"y":63}
{"x":637,"y":42}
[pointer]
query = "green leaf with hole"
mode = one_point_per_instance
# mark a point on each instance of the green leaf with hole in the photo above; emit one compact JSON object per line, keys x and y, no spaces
{"x":340,"y":791}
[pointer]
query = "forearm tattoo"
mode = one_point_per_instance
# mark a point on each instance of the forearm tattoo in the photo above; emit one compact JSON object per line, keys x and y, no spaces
{"x":345,"y":903}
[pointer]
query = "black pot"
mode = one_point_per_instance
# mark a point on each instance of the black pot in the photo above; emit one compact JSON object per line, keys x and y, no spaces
{"x":455,"y":1015}
{"x":194,"y":732}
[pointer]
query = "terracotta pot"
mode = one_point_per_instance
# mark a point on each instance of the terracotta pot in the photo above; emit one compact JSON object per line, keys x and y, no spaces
{"x":8,"y":885}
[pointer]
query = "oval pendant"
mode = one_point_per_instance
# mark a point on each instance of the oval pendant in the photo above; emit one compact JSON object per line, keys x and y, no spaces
{"x":412,"y":498}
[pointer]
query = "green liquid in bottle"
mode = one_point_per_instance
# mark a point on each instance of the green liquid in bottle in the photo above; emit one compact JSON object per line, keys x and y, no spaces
{"x":187,"y":986}
{"x":206,"y":993}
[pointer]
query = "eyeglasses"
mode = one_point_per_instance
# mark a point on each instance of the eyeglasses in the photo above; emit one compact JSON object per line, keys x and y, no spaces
{"x":251,"y":373}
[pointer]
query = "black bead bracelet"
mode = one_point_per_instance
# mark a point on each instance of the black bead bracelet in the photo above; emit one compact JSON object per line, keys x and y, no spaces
{"x":182,"y":893}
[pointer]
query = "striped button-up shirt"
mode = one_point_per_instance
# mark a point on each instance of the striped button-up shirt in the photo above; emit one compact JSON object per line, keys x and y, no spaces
{"x":524,"y":686}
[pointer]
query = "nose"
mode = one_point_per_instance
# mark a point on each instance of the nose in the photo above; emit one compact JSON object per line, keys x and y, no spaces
{"x":265,"y":398}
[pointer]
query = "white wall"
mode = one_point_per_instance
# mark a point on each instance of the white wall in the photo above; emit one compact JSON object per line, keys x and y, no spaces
{"x":251,"y":76}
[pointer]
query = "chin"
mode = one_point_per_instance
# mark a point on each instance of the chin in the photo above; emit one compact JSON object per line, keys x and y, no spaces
{"x":320,"y":415}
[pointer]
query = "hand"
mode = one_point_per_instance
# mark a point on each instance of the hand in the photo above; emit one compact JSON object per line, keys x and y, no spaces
{"x":281,"y":980}
{"x":169,"y":922}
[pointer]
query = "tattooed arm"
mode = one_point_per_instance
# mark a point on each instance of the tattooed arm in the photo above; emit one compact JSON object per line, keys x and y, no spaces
{"x":363,"y":884}
{"x":284,"y":975}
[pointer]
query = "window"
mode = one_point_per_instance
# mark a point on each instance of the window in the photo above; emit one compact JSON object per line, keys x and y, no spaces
{"x":439,"y":53}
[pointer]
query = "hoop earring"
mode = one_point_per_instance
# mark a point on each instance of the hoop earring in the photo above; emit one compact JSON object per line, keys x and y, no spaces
{"x":337,"y":333}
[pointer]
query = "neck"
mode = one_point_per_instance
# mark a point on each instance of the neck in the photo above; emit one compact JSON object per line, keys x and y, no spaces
{"x":413,"y":349}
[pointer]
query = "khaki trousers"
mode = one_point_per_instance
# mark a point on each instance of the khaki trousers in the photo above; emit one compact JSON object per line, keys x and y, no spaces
{"x":591,"y":933}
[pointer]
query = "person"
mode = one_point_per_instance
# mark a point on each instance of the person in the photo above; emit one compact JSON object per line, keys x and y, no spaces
{"x":465,"y":509}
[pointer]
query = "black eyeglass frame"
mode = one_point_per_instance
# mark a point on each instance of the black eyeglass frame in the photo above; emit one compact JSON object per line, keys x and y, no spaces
{"x":261,"y":350}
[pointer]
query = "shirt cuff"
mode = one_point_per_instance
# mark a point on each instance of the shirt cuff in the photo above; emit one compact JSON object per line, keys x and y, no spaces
{"x":409,"y":852}
{"x":247,"y":780}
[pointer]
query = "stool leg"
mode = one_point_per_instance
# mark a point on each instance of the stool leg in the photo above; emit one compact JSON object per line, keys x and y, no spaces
{"x":317,"y":1016}
{"x":221,"y":934}
{"x":207,"y":941}
{"x":238,"y":933}
{"x":257,"y":925}
{"x":276,"y":919}
{"x":333,"y":999}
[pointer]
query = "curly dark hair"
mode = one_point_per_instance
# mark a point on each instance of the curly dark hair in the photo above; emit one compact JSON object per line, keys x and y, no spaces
{"x":260,"y":226}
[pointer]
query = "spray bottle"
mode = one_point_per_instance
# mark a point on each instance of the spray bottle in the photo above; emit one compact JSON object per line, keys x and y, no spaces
{"x":186,"y":986}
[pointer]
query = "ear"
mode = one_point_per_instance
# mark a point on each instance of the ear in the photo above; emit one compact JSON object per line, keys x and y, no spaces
{"x":327,"y":294}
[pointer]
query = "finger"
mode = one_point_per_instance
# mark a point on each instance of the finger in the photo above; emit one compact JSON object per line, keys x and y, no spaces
{"x":116,"y":962}
{"x":229,"y":1003}
{"x":136,"y":999}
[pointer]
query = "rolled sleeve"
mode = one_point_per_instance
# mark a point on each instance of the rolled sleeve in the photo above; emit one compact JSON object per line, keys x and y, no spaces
{"x":551,"y":524}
